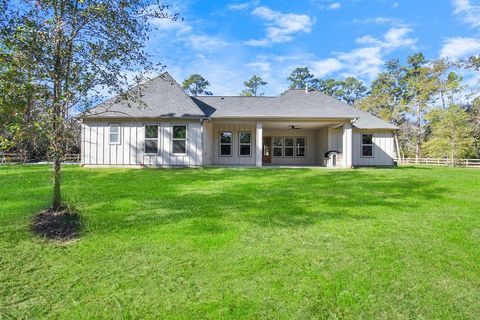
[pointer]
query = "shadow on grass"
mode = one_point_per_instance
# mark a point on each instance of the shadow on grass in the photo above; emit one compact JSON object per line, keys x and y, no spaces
{"x":143,"y":200}
{"x":148,"y":199}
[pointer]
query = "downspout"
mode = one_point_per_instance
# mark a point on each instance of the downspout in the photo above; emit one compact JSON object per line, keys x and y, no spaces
{"x":397,"y":147}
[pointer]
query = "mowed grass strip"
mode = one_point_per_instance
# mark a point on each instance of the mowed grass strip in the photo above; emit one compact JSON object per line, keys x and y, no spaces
{"x":245,"y":243}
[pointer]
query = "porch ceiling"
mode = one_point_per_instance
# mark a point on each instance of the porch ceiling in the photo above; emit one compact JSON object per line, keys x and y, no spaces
{"x":285,"y":125}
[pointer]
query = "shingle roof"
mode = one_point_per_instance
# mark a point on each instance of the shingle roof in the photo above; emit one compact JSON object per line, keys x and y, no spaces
{"x":162,"y":97}
{"x":294,"y":103}
{"x":165,"y":98}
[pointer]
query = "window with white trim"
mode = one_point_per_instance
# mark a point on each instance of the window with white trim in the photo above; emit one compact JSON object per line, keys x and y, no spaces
{"x":179,"y":139}
{"x":277,"y":147}
{"x":245,"y":144}
{"x":151,"y":139}
{"x":300,"y":147}
{"x":226,"y":139}
{"x":114,"y":133}
{"x":367,"y":145}
{"x":289,"y":147}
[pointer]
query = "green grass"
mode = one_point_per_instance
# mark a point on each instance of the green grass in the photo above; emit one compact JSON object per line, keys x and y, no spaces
{"x":245,"y":243}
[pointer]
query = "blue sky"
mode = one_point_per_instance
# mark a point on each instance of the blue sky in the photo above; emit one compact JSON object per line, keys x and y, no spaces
{"x":229,"y":41}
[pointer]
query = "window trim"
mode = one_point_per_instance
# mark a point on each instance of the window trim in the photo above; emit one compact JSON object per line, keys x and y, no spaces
{"x":292,"y":147}
{"x":304,"y":147}
{"x":110,"y":125}
{"x":186,"y":139}
{"x":367,"y":144}
{"x":277,"y":147}
{"x":145,"y":138}
{"x":240,"y":144}
{"x":226,"y":144}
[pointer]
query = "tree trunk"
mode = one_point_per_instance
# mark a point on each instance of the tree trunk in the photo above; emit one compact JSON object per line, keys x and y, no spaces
{"x":419,"y":135}
{"x":57,"y":198}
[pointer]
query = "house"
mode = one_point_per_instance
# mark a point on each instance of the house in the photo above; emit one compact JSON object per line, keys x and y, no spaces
{"x":170,"y":128}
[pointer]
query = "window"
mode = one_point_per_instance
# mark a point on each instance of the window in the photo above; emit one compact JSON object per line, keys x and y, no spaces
{"x":179,"y":140}
{"x":278,"y":147}
{"x":300,"y":147}
{"x":289,"y":146}
{"x":367,"y":145}
{"x":226,"y":143}
{"x":151,"y":139}
{"x":114,"y":134}
{"x":245,"y":144}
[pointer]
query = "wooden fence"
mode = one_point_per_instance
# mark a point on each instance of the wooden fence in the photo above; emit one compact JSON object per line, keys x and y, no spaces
{"x":445,"y":162}
{"x":11,"y":158}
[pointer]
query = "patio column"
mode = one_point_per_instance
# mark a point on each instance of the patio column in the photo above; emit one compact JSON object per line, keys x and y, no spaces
{"x":347,"y":145}
{"x":258,"y":144}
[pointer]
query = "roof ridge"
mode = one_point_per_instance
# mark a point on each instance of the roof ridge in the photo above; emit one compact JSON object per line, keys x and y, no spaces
{"x":228,"y":96}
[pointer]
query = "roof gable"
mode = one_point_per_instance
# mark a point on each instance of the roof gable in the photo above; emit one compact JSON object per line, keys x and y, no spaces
{"x":161,"y":97}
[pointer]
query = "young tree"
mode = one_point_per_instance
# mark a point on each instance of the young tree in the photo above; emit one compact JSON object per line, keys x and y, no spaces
{"x":421,"y":85}
{"x":328,"y":86}
{"x":196,"y":85}
{"x":300,"y":78}
{"x":473,"y":63}
{"x":449,"y":83}
{"x":385,"y":96}
{"x":252,"y":85}
{"x":75,"y":48}
{"x":348,"y":90}
{"x":21,"y":128}
{"x":351,"y":90}
{"x":451,"y":133}
{"x":474,"y":113}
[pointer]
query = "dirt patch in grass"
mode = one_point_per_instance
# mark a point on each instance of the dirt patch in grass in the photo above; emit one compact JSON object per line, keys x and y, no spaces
{"x":60,"y":225}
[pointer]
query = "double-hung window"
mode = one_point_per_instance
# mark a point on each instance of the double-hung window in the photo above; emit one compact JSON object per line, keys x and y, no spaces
{"x":114,"y":134}
{"x":226,"y":140}
{"x":367,"y":145}
{"x":151,"y":139}
{"x":277,"y":147}
{"x":179,"y":139}
{"x":289,"y":147}
{"x":245,"y":144}
{"x":300,"y":147}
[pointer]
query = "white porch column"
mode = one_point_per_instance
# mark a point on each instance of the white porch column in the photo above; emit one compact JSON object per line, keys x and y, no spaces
{"x":347,"y":145}
{"x":258,"y":144}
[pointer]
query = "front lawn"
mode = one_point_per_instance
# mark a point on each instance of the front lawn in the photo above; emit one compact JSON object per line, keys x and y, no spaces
{"x":245,"y":243}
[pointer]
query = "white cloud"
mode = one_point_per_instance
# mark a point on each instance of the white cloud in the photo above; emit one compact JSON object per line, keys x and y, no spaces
{"x":377,"y":20}
{"x":262,"y":67}
{"x":243,"y":5}
{"x":334,"y":6}
{"x":281,"y":27}
{"x":392,"y":39}
{"x":397,"y":37}
{"x":470,"y":13}
{"x":363,"y":61}
{"x":207,"y":43}
{"x":396,"y":4}
{"x":170,"y":25}
{"x":327,"y":66}
{"x":458,"y":47}
{"x":367,"y":61}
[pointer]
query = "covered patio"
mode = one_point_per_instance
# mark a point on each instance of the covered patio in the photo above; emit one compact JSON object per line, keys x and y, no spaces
{"x":274,"y":143}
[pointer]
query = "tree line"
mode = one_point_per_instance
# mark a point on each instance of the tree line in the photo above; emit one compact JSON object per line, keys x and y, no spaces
{"x":424,"y":98}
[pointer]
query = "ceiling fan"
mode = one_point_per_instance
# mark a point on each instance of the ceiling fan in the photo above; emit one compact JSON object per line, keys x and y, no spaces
{"x":292,"y":127}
